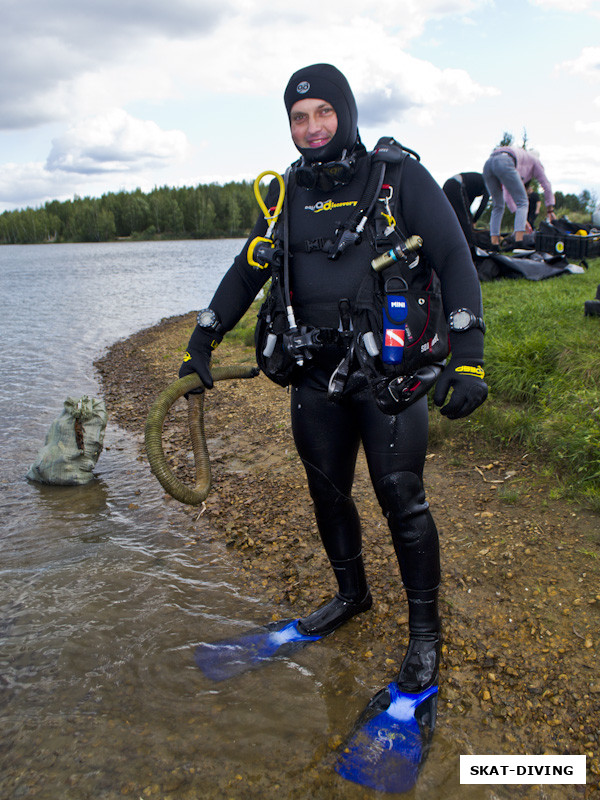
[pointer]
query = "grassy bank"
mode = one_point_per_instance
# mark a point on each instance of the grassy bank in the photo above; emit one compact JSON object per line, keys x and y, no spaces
{"x":543,"y":370}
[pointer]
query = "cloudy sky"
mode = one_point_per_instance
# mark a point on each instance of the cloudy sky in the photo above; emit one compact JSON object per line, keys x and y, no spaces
{"x":110,"y":95}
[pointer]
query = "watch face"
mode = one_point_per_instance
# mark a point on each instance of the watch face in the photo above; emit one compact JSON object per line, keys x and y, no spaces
{"x":206,"y":318}
{"x":461,"y":320}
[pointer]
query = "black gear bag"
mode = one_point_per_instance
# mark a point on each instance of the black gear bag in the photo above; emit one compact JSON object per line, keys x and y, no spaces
{"x":271,"y":326}
{"x":407,"y":281}
{"x":424,"y":332}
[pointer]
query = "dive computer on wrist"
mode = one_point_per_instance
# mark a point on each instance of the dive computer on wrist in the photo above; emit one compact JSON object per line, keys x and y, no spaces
{"x":208,"y":320}
{"x":463,"y":319}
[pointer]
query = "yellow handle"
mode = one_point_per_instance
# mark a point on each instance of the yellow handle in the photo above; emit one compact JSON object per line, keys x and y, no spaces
{"x":271,"y":218}
{"x":251,"y":247}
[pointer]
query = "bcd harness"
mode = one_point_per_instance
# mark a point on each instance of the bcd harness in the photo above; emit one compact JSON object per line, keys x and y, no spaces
{"x":395,"y":327}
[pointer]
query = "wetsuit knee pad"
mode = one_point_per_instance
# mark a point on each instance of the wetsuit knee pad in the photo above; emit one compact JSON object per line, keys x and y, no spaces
{"x":402,"y":498}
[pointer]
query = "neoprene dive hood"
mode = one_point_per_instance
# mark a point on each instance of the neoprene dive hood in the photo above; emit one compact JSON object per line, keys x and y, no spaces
{"x":326,"y":82}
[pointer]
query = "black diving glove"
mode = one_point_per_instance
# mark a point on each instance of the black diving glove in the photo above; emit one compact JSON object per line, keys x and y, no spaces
{"x":465,"y":377}
{"x":197,"y":356}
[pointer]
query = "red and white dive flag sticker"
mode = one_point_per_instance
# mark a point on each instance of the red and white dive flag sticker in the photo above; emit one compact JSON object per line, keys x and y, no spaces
{"x":394,"y":337}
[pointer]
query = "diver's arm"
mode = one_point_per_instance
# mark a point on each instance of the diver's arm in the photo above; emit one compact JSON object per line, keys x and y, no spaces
{"x":234,"y":295}
{"x":242,"y":282}
{"x":239,"y":286}
{"x":427,"y":212}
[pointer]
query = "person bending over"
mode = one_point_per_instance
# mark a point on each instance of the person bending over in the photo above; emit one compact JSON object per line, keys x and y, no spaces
{"x":506,"y":172}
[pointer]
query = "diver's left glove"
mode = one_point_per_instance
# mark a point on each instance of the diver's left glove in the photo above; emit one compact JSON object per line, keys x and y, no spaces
{"x":465,"y":377}
{"x":197,"y":356}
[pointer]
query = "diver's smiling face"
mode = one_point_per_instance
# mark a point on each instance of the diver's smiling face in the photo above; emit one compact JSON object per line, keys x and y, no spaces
{"x":313,"y":123}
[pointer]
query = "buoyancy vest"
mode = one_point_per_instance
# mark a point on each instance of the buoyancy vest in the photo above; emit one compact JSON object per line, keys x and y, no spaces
{"x":335,"y":292}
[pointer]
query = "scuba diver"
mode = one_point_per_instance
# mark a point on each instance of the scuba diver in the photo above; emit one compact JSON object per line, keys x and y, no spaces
{"x":535,"y":204}
{"x":462,"y":190}
{"x":333,"y":407}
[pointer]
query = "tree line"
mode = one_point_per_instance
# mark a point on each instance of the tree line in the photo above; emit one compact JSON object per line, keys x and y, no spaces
{"x":204,"y":211}
{"x":580,"y":205}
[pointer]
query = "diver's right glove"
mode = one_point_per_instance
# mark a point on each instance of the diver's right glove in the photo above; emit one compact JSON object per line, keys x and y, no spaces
{"x":197,"y":356}
{"x":465,"y":377}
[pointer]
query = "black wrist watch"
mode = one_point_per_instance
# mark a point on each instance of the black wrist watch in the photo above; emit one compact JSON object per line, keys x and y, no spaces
{"x":462,"y":319}
{"x":208,"y":320}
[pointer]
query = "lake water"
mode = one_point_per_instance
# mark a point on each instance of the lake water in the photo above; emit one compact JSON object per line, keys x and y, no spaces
{"x":101,"y":604}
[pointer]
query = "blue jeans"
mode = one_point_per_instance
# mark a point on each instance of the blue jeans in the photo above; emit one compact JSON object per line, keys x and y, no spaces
{"x":500,"y":170}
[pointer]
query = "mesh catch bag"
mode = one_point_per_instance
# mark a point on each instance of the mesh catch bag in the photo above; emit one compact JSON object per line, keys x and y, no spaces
{"x":73,"y":444}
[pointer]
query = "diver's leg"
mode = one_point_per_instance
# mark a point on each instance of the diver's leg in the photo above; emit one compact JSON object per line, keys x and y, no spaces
{"x":395,"y":449}
{"x":455,"y":192}
{"x":415,"y":539}
{"x":327,"y":440}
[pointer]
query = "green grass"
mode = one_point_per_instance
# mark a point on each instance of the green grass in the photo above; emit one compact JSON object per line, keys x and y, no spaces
{"x":579,"y":217}
{"x":244,"y":330}
{"x":543,"y":369}
{"x":542,"y":362}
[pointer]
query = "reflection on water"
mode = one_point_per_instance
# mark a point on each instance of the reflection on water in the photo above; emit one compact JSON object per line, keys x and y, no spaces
{"x":104,"y":593}
{"x":102,"y":607}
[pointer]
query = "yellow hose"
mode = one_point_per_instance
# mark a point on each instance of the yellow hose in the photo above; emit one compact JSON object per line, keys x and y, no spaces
{"x":271,"y":218}
{"x":154,"y":427}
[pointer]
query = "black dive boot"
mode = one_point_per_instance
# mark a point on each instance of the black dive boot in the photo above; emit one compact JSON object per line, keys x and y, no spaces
{"x":420,"y":666}
{"x":353,"y":598}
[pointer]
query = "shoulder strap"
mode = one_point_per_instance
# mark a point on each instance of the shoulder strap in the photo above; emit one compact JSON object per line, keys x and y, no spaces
{"x":389,"y":150}
{"x":386,"y":161}
{"x":394,"y":155}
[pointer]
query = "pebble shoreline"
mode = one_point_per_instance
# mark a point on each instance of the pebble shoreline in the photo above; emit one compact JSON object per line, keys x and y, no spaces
{"x":520,"y":590}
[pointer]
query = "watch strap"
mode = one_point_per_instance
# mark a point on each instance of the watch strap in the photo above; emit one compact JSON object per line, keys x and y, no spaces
{"x":474,"y":321}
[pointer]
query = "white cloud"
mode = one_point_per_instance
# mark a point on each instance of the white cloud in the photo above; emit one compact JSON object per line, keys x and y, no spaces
{"x":574,"y":166}
{"x":31,"y":184}
{"x":115,"y":142}
{"x":588,"y":127}
{"x":417,"y":86}
{"x":80,"y":58}
{"x":217,"y":72}
{"x":371,"y":50}
{"x":50,"y":49}
{"x":574,"y":6}
{"x":587,"y":65}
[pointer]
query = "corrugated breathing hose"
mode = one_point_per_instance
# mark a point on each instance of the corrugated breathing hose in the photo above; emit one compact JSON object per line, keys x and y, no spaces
{"x":154,"y":427}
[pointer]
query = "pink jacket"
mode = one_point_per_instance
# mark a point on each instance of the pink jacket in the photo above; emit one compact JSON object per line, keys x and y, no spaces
{"x":528,"y":167}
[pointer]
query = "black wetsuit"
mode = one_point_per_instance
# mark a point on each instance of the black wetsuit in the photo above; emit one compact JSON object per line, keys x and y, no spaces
{"x":461,"y":190}
{"x":532,"y":211}
{"x":327,"y":434}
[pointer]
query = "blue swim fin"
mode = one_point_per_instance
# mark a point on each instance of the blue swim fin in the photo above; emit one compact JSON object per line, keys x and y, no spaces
{"x":230,"y":657}
{"x":391,"y":740}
